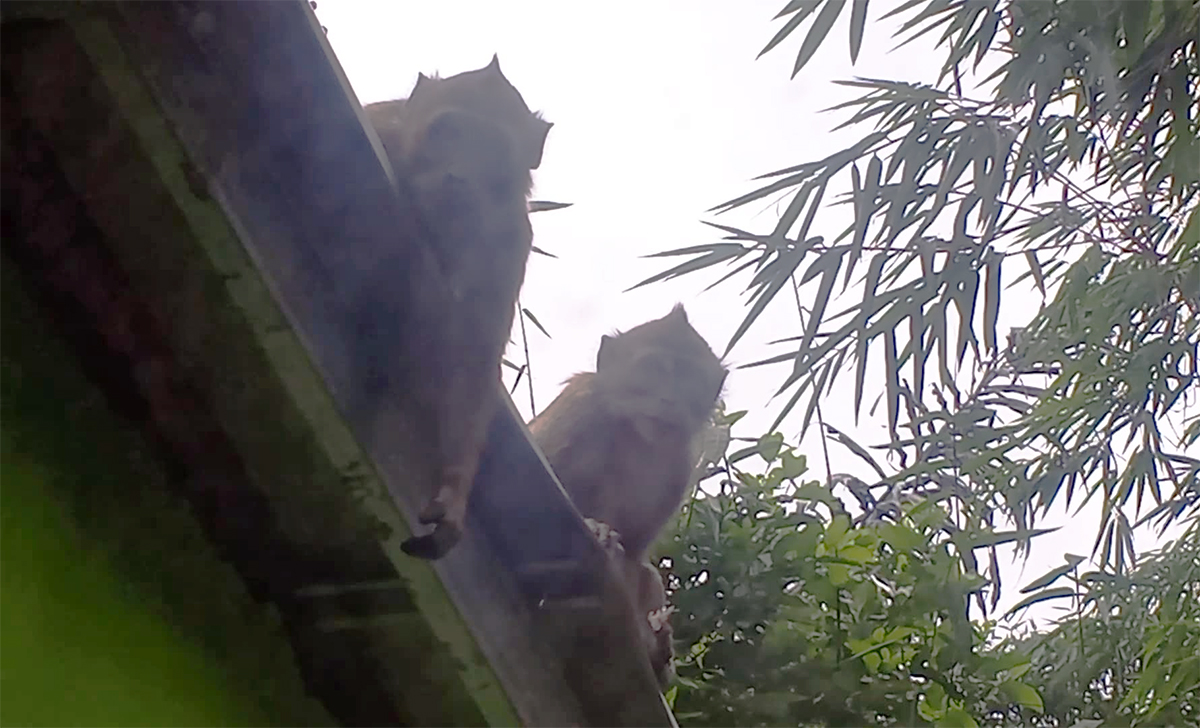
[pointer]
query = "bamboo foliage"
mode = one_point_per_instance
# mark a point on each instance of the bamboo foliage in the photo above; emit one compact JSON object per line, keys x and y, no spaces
{"x":1057,"y":149}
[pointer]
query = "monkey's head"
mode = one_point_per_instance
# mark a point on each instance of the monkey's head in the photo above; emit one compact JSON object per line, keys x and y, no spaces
{"x":666,"y":355}
{"x":447,"y":111}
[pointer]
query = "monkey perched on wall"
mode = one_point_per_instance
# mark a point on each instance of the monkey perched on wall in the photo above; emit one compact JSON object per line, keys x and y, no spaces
{"x":623,"y":442}
{"x":465,"y":147}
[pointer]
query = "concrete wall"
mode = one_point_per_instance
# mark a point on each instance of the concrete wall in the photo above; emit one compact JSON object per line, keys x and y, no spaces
{"x":113,"y":608}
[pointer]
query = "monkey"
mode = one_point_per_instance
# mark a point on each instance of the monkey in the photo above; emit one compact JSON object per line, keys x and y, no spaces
{"x":465,"y":147}
{"x":623,"y":441}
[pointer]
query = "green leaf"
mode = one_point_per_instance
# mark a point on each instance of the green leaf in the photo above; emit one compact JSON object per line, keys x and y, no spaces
{"x":857,"y":554}
{"x":1023,"y":694}
{"x":934,"y":701}
{"x":731,"y":418}
{"x":837,"y":531}
{"x":816,"y":492}
{"x":957,"y":718}
{"x":769,"y":445}
{"x":793,"y":466}
{"x":899,"y":634}
{"x":900,"y":537}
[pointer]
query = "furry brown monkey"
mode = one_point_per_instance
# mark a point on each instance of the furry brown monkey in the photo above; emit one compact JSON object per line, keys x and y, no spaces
{"x":623,"y":441}
{"x":465,"y":146}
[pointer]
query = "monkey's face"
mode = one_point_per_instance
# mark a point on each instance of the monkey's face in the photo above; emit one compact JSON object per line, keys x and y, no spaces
{"x":458,"y":147}
{"x":489,"y":97}
{"x":666,"y":355}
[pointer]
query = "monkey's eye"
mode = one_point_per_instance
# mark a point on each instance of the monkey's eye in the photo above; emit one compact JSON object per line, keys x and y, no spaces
{"x":445,"y":129}
{"x":657,"y":366}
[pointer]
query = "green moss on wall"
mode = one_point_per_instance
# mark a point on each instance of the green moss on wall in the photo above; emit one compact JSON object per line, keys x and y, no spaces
{"x":114,"y":610}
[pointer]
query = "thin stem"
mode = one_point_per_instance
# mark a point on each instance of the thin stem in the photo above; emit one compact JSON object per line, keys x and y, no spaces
{"x":820,"y":416}
{"x":528,"y":363}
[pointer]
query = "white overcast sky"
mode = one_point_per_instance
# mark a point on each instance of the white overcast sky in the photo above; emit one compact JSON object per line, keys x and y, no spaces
{"x":661,"y":111}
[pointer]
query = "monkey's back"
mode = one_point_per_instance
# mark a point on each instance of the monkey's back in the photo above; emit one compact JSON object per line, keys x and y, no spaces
{"x":624,"y":466}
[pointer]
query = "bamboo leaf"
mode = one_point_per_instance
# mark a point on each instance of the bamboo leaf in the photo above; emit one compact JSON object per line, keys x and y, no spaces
{"x":892,"y":379}
{"x":817,"y":33}
{"x":858,"y":23}
{"x":828,"y":264}
{"x":1006,"y":536}
{"x":764,"y":296}
{"x":1053,"y":575}
{"x":862,"y":340}
{"x":1055,"y":593}
{"x":851,"y":445}
{"x":695,"y":264}
{"x":1035,"y":268}
{"x":533,"y":320}
{"x":802,"y":9}
{"x":547,"y":206}
{"x":991,"y":299}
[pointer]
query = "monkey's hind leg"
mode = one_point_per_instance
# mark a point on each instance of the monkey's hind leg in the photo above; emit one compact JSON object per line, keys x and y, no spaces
{"x":469,"y":403}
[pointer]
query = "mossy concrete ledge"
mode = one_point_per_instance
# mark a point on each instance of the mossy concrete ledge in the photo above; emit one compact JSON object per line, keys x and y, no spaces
{"x":193,"y":197}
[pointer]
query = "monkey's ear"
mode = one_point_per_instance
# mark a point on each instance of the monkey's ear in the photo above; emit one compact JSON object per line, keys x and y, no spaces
{"x":606,"y":343}
{"x":539,"y":143}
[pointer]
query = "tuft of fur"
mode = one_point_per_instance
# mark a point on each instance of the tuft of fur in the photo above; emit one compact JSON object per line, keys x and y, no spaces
{"x":623,"y":441}
{"x":465,"y":147}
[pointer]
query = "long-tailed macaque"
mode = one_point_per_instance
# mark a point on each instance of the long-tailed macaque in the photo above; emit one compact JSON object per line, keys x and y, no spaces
{"x":623,"y":442}
{"x":465,"y":147}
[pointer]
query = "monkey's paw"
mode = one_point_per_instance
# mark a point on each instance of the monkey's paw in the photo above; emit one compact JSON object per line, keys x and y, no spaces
{"x":609,"y":538}
{"x":446,"y":512}
{"x":660,"y":618}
